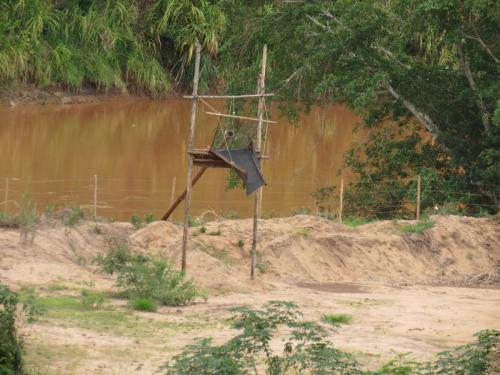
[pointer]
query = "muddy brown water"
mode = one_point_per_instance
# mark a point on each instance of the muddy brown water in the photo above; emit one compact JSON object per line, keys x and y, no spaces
{"x":138,"y":147}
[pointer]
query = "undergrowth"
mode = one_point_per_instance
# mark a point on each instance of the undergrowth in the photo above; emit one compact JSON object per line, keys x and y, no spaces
{"x":140,"y":276}
{"x":419,"y":227}
{"x":306,"y":350}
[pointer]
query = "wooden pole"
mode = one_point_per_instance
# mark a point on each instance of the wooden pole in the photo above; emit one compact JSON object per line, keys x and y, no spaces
{"x":341,"y":198}
{"x":6,"y":200}
{"x":419,"y":183}
{"x":257,"y":200}
{"x":172,"y":194}
{"x":95,"y":196}
{"x":192,"y":126}
{"x":228,"y":96}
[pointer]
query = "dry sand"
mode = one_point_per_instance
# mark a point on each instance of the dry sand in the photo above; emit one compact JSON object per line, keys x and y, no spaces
{"x":418,"y":293}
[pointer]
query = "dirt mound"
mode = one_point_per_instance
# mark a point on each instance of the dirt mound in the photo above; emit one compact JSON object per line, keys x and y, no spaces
{"x":295,"y":250}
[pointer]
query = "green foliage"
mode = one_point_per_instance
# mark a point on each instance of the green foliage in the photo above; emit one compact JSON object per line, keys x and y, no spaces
{"x":354,"y":221}
{"x":92,"y":299}
{"x":194,"y":222}
{"x":307,"y":351}
{"x":231,"y":215}
{"x":419,"y":227}
{"x":203,"y":229}
{"x":10,"y":343}
{"x":97,"y":230}
{"x":140,"y":276}
{"x":138,"y":222}
{"x":337,"y":319}
{"x":72,"y":215}
{"x":75,"y":44}
{"x":215,"y":233}
{"x":240,"y":243}
{"x":143,"y":304}
{"x":262,"y":267}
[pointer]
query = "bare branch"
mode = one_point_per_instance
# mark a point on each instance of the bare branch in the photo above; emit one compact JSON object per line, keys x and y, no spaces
{"x":464,"y":63}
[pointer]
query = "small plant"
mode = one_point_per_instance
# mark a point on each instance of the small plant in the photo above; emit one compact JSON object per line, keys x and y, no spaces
{"x":50,"y":210}
{"x":336,"y":319}
{"x":231,"y":215}
{"x":203,"y":229}
{"x":304,"y":232}
{"x":143,"y":304}
{"x":72,"y":215}
{"x":240,"y":244}
{"x":262,"y":267}
{"x":300,"y":211}
{"x":354,"y":221}
{"x":419,"y":227}
{"x":136,"y":221}
{"x":27,"y":219}
{"x":97,"y":230}
{"x":215,"y":233}
{"x":149,"y":218}
{"x":92,"y":299}
{"x":194,"y":222}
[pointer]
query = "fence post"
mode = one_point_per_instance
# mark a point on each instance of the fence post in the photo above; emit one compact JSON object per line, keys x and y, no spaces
{"x":341,"y":198}
{"x":172,"y":196}
{"x":419,"y":183}
{"x":95,"y":196}
{"x":6,"y":200}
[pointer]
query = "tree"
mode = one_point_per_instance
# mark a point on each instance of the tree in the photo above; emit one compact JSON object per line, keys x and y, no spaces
{"x":433,"y":62}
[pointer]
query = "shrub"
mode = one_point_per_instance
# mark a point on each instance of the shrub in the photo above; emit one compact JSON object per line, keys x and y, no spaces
{"x":10,"y":344}
{"x":149,"y":218}
{"x":141,"y":276}
{"x":419,"y":227}
{"x":307,"y":351}
{"x":92,"y":299}
{"x":143,"y":304}
{"x":337,"y":319}
{"x":72,"y":215}
{"x":240,"y":243}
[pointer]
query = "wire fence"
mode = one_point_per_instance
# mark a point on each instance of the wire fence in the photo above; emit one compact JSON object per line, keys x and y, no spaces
{"x":119,"y":198}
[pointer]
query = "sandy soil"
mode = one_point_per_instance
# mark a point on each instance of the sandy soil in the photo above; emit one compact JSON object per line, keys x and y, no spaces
{"x":418,"y":293}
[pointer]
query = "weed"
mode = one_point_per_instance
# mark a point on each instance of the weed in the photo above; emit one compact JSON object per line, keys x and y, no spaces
{"x":231,"y":215}
{"x":240,"y":244}
{"x":8,"y":221}
{"x":143,"y":304}
{"x":136,"y":221}
{"x":337,"y":319}
{"x":217,"y":253}
{"x":419,"y":227}
{"x":50,"y":210}
{"x":354,"y":221}
{"x":194,"y":222}
{"x":262,"y":267}
{"x":215,"y":233}
{"x":72,"y":215}
{"x":304,"y":232}
{"x":203,"y":229}
{"x":300,"y":211}
{"x":149,"y":218}
{"x":92,"y":299}
{"x":27,"y":219}
{"x":56,"y":287}
{"x":97,"y":230}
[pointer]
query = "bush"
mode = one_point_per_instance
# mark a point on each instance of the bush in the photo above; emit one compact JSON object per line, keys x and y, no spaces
{"x":143,"y":304}
{"x":92,"y":299}
{"x":419,"y":227}
{"x":337,"y":319}
{"x":141,"y":276}
{"x":10,"y":344}
{"x":72,"y":215}
{"x":307,"y":351}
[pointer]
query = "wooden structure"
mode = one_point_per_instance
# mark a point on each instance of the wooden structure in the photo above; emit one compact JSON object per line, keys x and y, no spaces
{"x":213,"y":158}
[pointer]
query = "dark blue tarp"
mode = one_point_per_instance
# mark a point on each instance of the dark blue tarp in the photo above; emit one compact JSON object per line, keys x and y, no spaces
{"x":245,"y":160}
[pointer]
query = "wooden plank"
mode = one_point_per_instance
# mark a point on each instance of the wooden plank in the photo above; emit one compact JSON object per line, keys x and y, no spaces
{"x":228,"y":96}
{"x":242,"y":117}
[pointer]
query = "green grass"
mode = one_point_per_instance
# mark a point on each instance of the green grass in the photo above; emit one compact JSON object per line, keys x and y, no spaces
{"x":143,"y":304}
{"x":353,"y":221}
{"x":215,"y":233}
{"x":304,"y":232}
{"x":217,"y":253}
{"x":337,"y":319}
{"x":419,"y":227}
